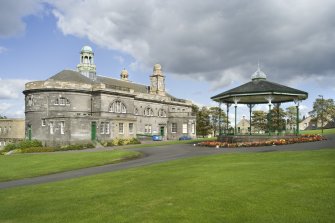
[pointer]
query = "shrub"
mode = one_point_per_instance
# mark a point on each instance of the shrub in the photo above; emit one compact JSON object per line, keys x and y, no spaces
{"x":22,"y":145}
{"x":38,"y":149}
{"x":121,"y":142}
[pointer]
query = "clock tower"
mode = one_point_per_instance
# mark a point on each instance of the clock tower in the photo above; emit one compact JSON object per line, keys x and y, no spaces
{"x":157,"y":80}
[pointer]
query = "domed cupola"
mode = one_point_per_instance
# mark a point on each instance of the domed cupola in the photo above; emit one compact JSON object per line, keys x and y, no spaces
{"x":124,"y":75}
{"x":258,"y":75}
{"x":86,"y":66}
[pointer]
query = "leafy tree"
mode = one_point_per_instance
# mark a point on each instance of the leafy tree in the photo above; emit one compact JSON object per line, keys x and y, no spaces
{"x":259,"y":120}
{"x":3,"y":117}
{"x":203,"y":122}
{"x":323,"y":110}
{"x":277,"y":119}
{"x":291,"y":115}
{"x":216,"y":114}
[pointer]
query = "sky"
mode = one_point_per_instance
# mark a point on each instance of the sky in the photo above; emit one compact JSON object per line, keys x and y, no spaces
{"x":204,"y":47}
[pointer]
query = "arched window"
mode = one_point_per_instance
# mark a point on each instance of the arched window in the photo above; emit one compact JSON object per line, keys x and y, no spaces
{"x":148,"y":111}
{"x":117,"y":107}
{"x":161,"y":113}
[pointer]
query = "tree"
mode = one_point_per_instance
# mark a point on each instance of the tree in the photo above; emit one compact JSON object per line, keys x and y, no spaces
{"x":323,"y":110}
{"x":203,"y":122}
{"x":216,"y":115}
{"x":259,"y":121}
{"x":3,"y":117}
{"x":291,"y":115}
{"x":277,"y":119}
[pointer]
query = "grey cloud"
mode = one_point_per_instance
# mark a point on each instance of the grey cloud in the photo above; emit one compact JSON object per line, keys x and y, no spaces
{"x":217,"y":41}
{"x":12,"y":13}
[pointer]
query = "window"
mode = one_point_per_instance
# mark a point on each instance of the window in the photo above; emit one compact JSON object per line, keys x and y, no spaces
{"x":161,"y":113}
{"x":62,"y":126}
{"x":131,"y":128}
{"x":193,"y":128}
{"x":102,"y":128}
{"x":148,"y":112}
{"x":0,"y":130}
{"x":184,"y":128}
{"x":147,"y":129}
{"x":121,"y":130}
{"x":174,"y":127}
{"x":136,"y":111}
{"x":44,"y":123}
{"x":107,"y":128}
{"x":173,"y":109}
{"x":51,"y":126}
{"x":118,"y":107}
{"x":62,"y":101}
{"x":30,"y":101}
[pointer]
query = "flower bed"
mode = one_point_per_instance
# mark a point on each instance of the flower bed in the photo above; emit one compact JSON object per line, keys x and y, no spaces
{"x":284,"y":141}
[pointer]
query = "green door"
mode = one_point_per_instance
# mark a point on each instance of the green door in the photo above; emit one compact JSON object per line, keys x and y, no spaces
{"x":162,"y":130}
{"x":29,"y":132}
{"x":93,"y":131}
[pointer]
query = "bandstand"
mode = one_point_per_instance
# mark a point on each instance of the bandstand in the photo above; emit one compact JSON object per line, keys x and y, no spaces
{"x":257,"y":91}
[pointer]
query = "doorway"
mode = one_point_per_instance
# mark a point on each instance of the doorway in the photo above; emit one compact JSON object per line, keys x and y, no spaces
{"x":162,"y":130}
{"x":93,"y":131}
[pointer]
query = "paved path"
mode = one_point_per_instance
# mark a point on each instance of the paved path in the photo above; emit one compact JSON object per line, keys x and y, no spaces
{"x":162,"y":154}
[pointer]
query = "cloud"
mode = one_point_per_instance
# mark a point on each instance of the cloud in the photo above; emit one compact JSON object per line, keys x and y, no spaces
{"x":11,"y":88}
{"x":12,"y":13}
{"x":215,"y":41}
{"x":2,"y":49}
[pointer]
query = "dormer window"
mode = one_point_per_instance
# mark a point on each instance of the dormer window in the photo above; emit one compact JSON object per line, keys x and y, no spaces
{"x":148,"y":111}
{"x":161,"y":113}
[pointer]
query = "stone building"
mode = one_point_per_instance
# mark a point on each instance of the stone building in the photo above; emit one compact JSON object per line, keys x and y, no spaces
{"x":11,"y":130}
{"x":243,"y":126}
{"x":80,"y":106}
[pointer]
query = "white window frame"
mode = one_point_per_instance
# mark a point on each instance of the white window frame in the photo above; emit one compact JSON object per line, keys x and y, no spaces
{"x":173,"y":127}
{"x":185,"y":130}
{"x":131,"y":128}
{"x":121,"y":129}
{"x":193,"y":128}
{"x":107,"y":128}
{"x":51,"y":128}
{"x":62,"y":127}
{"x":102,"y":128}
{"x":118,"y":107}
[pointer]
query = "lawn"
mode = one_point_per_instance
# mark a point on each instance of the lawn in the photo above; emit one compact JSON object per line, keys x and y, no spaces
{"x":318,"y":131}
{"x":248,"y":187}
{"x":29,"y":165}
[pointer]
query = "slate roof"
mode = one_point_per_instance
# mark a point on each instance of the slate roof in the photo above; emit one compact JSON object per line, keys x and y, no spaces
{"x":260,"y":88}
{"x":74,"y":76}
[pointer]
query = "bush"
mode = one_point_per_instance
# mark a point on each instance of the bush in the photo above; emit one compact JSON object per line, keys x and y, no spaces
{"x":38,"y":149}
{"x":22,"y":145}
{"x":120,"y":142}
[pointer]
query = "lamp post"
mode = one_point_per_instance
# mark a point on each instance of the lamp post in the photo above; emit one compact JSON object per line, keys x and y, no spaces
{"x":321,"y":96}
{"x":236,"y":100}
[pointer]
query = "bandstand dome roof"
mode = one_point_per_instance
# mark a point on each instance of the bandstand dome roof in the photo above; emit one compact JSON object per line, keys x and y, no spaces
{"x":259,"y":90}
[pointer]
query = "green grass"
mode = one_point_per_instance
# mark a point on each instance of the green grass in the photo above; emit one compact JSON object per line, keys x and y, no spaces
{"x":318,"y":131}
{"x":29,"y":165}
{"x":248,"y":187}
